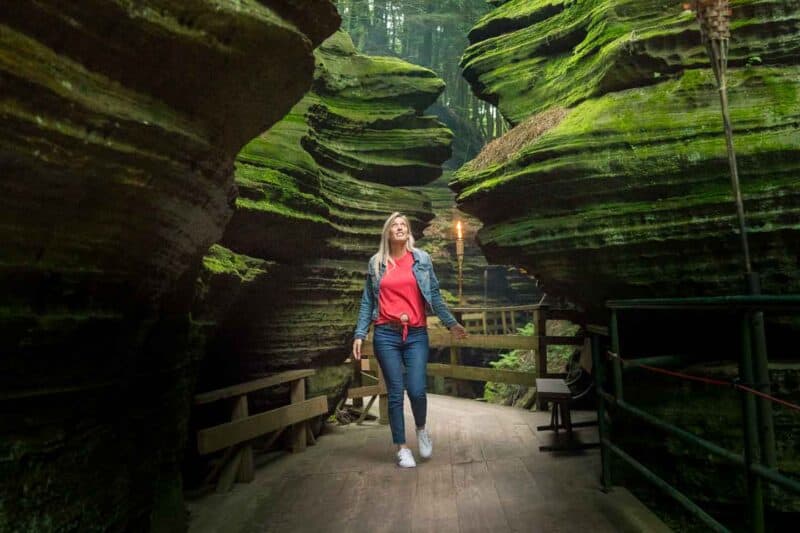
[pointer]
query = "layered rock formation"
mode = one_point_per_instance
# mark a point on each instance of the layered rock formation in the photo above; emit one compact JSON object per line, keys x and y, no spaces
{"x":627,"y":192}
{"x":615,"y":184}
{"x":314,"y":193}
{"x":120,"y":124}
{"x":493,"y":284}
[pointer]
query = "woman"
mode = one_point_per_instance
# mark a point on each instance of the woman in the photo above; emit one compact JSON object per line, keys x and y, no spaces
{"x":400,"y":285}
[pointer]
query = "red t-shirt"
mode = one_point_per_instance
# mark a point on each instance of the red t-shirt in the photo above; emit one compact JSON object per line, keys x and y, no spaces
{"x":399,"y":294}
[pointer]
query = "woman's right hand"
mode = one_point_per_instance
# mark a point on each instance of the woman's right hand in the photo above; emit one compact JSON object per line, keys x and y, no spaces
{"x":357,"y":349}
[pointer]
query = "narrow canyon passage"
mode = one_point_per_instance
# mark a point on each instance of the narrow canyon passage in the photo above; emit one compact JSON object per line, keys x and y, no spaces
{"x":190,"y":192}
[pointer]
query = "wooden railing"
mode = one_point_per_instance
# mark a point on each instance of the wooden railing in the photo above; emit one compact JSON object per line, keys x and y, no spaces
{"x":496,"y":328}
{"x":492,"y":328}
{"x":235,"y":436}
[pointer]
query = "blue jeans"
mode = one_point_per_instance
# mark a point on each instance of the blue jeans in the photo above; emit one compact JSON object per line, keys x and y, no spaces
{"x":393,"y":355}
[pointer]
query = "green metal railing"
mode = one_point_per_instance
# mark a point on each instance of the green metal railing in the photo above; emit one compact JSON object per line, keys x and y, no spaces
{"x":758,"y":461}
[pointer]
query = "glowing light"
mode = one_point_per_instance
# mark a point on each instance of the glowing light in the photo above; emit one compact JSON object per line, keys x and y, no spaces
{"x":458,"y":229}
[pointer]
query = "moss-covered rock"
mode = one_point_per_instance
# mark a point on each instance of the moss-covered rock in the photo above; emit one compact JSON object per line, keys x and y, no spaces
{"x":119,"y":123}
{"x":629,"y":194}
{"x":315,"y":191}
{"x":529,"y":55}
{"x":625,"y":192}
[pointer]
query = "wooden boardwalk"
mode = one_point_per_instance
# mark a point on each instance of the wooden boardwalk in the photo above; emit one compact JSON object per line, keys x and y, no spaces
{"x":487,"y":475}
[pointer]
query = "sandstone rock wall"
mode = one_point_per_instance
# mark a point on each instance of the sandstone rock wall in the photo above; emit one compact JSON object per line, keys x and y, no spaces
{"x":627,"y":193}
{"x":120,"y":124}
{"x":314,"y":193}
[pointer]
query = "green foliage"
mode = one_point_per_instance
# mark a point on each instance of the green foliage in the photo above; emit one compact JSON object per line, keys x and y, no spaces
{"x":754,"y":60}
{"x":517,"y":360}
{"x":449,"y":297}
{"x":523,"y":361}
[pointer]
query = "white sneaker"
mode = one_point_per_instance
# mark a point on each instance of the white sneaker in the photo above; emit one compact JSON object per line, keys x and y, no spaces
{"x":405,"y":459}
{"x":425,"y":443}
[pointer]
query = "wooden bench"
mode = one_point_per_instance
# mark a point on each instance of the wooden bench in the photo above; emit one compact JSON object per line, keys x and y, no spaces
{"x":234,"y":437}
{"x":559,"y":394}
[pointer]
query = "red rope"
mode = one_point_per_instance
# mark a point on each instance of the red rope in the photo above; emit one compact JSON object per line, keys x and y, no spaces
{"x":768,"y":397}
{"x":709,"y":381}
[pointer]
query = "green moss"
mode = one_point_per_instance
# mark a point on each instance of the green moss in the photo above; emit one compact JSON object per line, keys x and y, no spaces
{"x":220,"y":260}
{"x":592,"y":47}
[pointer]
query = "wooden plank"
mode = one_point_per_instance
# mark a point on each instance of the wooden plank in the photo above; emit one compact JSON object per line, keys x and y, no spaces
{"x":379,"y":509}
{"x":367,"y":390}
{"x":306,"y":503}
{"x":434,"y":509}
{"x":250,"y":386}
{"x":518,"y":493}
{"x":296,"y":396}
{"x":439,"y":339}
{"x":465,"y":446}
{"x":224,"y":435}
{"x":229,"y":473}
{"x":478,"y":503}
{"x":505,"y":326}
{"x":246,"y":473}
{"x":484,"y":322}
{"x":365,"y":410}
{"x":468,"y":310}
{"x":594,"y":329}
{"x":555,"y":389}
{"x":475,"y":373}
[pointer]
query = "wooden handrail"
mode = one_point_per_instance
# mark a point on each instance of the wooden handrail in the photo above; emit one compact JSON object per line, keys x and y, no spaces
{"x":251,"y":386}
{"x":236,"y":431}
{"x":594,"y":329}
{"x":507,"y":308}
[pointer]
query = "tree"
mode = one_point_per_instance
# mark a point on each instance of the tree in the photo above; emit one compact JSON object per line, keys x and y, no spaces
{"x":431,"y":33}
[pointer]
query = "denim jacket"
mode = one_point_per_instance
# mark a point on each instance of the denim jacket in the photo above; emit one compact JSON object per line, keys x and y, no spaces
{"x":426,"y":281}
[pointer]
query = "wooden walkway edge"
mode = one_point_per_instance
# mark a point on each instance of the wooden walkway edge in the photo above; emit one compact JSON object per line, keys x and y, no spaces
{"x":487,"y":475}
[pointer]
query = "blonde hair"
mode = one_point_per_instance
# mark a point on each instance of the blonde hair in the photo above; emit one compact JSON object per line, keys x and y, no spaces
{"x":384,"y":256}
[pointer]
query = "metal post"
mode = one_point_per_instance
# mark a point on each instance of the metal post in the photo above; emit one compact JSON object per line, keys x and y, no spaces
{"x":755,"y":496}
{"x":598,"y":364}
{"x":766,"y":429}
{"x":616,"y":364}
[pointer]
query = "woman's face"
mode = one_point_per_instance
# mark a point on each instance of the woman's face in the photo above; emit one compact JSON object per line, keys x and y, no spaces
{"x":398,"y":231}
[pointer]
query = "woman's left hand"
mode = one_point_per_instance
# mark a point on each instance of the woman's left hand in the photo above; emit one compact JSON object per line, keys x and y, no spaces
{"x":458,"y":331}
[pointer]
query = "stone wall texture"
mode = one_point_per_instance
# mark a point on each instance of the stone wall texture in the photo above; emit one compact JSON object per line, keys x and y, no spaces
{"x":119,"y":125}
{"x":626,"y":192}
{"x":314,"y":193}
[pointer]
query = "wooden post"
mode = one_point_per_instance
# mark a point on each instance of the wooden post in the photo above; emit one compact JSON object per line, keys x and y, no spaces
{"x":540,"y":323}
{"x":245,"y":472}
{"x":503,"y":318}
{"x":357,"y":382}
{"x":483,"y":317}
{"x":513,"y":322}
{"x":298,"y":394}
